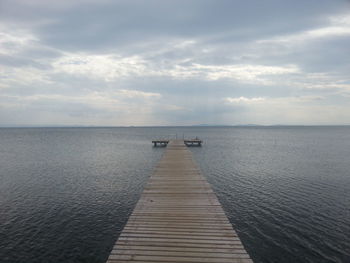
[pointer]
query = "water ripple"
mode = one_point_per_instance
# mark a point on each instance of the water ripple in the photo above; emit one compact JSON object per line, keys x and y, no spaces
{"x":65,"y":194}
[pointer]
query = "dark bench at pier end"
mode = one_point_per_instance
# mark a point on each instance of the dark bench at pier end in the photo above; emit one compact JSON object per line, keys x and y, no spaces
{"x":162,"y":143}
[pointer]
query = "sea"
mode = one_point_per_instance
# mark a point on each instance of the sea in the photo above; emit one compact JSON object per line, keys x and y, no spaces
{"x":66,"y":193}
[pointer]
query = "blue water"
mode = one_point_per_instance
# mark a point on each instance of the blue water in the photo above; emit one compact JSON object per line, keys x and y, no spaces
{"x":66,"y":193}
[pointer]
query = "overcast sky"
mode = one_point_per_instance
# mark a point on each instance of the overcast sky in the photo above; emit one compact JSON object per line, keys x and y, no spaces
{"x":179,"y":62}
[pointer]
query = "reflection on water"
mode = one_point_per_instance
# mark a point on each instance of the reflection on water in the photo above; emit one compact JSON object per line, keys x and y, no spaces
{"x":65,"y":193}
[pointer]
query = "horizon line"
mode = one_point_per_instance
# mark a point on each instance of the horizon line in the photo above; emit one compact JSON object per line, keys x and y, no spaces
{"x":169,"y":126}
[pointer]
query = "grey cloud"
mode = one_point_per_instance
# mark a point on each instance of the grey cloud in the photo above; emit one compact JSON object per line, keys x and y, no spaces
{"x":40,"y":53}
{"x":118,"y":23}
{"x":17,"y":61}
{"x":191,"y":54}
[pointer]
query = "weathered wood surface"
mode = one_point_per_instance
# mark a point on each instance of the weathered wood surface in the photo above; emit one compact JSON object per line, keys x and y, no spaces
{"x":178,"y":218}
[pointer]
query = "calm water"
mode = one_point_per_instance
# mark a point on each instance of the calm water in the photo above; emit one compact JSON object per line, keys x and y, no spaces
{"x":66,"y":193}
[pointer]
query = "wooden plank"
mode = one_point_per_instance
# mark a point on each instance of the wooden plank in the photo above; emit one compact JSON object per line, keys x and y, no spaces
{"x":178,"y":218}
{"x":176,"y":244}
{"x":179,"y":253}
{"x":156,"y":258}
{"x":169,"y":235}
{"x":181,"y":249}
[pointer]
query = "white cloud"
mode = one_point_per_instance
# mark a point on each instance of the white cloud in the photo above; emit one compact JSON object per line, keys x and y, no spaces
{"x":244,"y":72}
{"x":338,"y":26}
{"x":23,"y":76}
{"x":138,"y":94}
{"x":14,"y":41}
{"x":330,"y":82}
{"x":325,"y":32}
{"x":340,"y":20}
{"x":107,"y":100}
{"x":172,"y":107}
{"x":293,"y":110}
{"x":273,"y":100}
{"x":105,"y":67}
{"x":244,"y":100}
{"x":111,"y":67}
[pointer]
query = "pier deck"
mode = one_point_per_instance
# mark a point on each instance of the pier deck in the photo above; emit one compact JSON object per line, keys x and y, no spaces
{"x":178,"y":218}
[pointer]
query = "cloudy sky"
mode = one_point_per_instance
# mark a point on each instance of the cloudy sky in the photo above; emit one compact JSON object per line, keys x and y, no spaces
{"x":174,"y":62}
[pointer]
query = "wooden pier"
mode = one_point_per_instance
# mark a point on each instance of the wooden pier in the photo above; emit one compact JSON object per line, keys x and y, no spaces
{"x":178,"y":218}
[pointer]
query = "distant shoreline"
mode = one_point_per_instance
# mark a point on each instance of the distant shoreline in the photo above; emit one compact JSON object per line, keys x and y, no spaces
{"x":179,"y":126}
